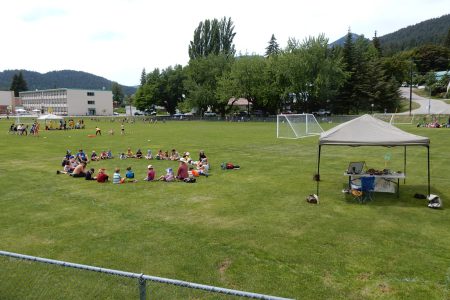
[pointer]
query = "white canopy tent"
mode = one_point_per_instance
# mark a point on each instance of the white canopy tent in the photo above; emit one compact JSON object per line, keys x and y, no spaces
{"x":50,"y":117}
{"x":369,"y":131}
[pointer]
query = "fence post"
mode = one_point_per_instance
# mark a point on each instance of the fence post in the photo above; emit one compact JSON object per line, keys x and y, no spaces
{"x":142,"y":288}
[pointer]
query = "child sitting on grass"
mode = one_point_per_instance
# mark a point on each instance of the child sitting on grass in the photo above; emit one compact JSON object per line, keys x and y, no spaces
{"x":168,"y":177}
{"x":150,"y":173}
{"x":130,"y":175}
{"x":149,"y":154}
{"x":117,"y":179}
{"x":102,"y":176}
{"x":90,"y":174}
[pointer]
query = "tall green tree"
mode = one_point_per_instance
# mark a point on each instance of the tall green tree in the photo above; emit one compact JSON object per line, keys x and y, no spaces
{"x":151,"y":92}
{"x":203,"y":74}
{"x":273,"y":48}
{"x":143,"y":77}
{"x":309,"y":74}
{"x":368,"y":83}
{"x":431,"y":58}
{"x":117,"y":92}
{"x":376,"y":43}
{"x":213,"y":37}
{"x":18,"y":84}
{"x":447,"y":39}
{"x":164,"y":88}
{"x":173,"y":87}
{"x":246,"y":79}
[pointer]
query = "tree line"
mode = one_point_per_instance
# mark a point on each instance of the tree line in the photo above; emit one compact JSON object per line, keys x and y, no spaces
{"x":304,"y":76}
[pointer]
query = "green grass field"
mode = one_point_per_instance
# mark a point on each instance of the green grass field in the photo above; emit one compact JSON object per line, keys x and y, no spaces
{"x":249,"y":229}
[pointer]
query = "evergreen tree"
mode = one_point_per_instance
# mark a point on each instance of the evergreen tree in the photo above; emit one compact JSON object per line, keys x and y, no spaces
{"x":14,"y":84}
{"x":18,"y":84}
{"x":376,"y":44}
{"x":143,"y":77}
{"x":117,"y":92}
{"x":447,"y":40}
{"x":273,"y":48}
{"x":343,"y":101}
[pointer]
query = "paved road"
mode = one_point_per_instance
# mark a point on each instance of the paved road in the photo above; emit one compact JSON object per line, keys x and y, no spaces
{"x":435,"y":106}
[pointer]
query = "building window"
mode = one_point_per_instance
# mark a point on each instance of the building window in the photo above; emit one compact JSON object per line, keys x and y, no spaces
{"x":91,"y":102}
{"x":90,"y":93}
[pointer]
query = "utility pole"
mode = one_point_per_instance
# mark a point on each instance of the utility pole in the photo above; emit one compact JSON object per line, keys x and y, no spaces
{"x":410,"y":87}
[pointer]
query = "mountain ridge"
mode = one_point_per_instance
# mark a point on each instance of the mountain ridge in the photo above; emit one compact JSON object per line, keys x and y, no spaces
{"x":431,"y":31}
{"x":60,"y":79}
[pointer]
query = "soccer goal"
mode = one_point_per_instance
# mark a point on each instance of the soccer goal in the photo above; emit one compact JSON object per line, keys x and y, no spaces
{"x":402,"y":119}
{"x":395,"y":118}
{"x":297,"y":126}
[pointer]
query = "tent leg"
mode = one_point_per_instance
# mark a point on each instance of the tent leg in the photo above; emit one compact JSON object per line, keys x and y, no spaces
{"x":318,"y":172}
{"x":404,"y":165}
{"x":428,"y":158}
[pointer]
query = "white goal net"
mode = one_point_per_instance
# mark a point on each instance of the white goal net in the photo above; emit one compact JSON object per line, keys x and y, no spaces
{"x":297,"y":126}
{"x":396,"y":118}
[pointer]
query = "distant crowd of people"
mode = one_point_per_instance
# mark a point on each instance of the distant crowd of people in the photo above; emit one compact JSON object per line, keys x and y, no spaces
{"x":22,"y":129}
{"x":434,"y":124}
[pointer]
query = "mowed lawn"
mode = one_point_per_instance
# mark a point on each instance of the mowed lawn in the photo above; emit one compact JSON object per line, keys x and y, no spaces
{"x":249,"y":229}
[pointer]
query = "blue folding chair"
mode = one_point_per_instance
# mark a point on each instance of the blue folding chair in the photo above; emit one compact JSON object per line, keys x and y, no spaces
{"x":364,"y":190}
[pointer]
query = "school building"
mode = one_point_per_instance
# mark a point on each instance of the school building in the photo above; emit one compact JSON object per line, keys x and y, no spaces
{"x":68,"y":102}
{"x":6,"y":101}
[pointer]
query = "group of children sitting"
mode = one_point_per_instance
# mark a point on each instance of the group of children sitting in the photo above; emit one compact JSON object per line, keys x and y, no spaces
{"x":161,"y":155}
{"x":188,"y":170}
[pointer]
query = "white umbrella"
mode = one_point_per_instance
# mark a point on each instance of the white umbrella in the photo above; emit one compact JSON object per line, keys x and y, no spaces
{"x":20,"y":110}
{"x":36,"y":110}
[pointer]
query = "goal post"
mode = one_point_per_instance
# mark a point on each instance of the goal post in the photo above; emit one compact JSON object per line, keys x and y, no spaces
{"x":396,"y":119}
{"x":296,"y":126}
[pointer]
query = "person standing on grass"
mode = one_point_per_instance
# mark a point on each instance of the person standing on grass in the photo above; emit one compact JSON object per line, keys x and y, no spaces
{"x":98,"y":131}
{"x":122,"y":129}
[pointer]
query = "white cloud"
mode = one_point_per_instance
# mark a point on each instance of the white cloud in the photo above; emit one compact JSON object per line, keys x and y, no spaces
{"x":116,"y":39}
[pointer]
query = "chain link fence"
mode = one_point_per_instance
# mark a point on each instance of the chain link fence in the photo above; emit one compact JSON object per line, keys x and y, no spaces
{"x":30,"y":277}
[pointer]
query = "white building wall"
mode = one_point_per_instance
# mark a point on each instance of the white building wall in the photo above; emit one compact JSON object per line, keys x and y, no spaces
{"x":69,"y":101}
{"x":6,"y":97}
{"x":89,"y":102}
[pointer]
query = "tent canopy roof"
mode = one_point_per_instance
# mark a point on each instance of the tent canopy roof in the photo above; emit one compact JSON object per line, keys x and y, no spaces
{"x":50,"y":117}
{"x":369,"y":131}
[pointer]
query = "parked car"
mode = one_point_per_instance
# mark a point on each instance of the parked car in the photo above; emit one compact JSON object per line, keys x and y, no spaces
{"x":150,"y":113}
{"x":177,"y":116}
{"x":322,"y":112}
{"x":137,"y":113}
{"x":209,"y":114}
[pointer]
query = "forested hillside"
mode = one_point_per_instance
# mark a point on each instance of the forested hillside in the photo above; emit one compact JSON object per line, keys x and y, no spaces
{"x":433,"y":31}
{"x":60,"y":79}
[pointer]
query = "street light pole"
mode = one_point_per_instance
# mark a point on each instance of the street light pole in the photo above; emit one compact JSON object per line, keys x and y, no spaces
{"x":429,"y":101}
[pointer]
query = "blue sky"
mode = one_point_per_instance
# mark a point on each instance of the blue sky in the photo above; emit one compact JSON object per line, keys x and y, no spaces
{"x":116,"y":39}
